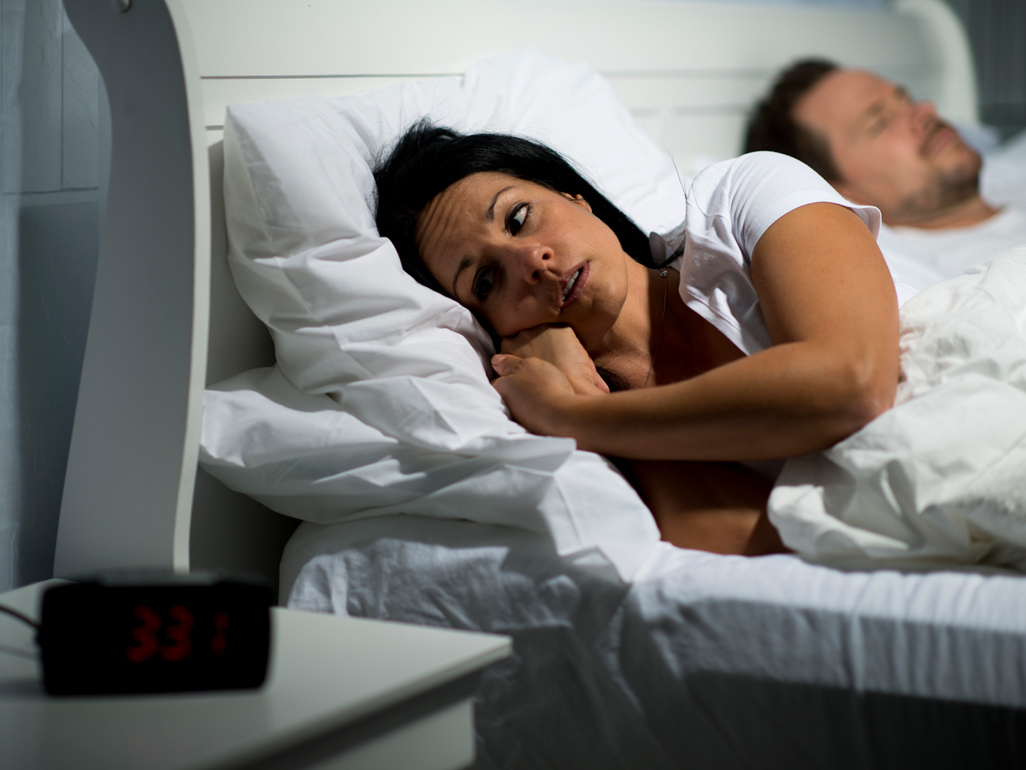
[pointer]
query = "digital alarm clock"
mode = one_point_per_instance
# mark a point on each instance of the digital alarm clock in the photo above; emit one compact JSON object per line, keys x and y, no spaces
{"x":140,"y":632}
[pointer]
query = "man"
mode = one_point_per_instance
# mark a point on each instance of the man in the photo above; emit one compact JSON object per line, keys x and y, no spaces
{"x":878,"y":146}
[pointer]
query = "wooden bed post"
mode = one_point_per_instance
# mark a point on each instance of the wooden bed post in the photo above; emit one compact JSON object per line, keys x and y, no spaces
{"x":132,"y":463}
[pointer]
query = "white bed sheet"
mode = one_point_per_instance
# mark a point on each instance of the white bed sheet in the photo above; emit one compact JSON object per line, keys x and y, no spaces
{"x":1003,"y":177}
{"x":703,"y":660}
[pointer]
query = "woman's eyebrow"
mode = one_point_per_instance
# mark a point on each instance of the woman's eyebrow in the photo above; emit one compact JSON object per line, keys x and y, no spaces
{"x":490,"y":213}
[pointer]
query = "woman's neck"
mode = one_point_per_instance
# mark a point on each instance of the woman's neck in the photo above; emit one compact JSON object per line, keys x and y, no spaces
{"x":658,"y":340}
{"x":626,"y":349}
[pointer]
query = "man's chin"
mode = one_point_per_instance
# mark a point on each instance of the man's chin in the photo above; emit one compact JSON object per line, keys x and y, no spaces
{"x":944,"y":195}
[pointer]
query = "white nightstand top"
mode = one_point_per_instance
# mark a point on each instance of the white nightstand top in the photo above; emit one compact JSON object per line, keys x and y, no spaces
{"x":326,"y":672}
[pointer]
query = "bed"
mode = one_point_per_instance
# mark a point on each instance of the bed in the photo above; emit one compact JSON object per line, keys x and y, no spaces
{"x":627,"y":652}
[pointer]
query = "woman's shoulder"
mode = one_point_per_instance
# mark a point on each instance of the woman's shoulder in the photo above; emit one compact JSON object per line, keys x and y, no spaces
{"x":756,"y":189}
{"x":757,"y":170}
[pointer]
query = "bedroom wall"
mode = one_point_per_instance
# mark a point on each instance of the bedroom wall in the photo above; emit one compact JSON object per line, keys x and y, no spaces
{"x":50,"y":160}
{"x":53,"y":145}
{"x":996,"y":30}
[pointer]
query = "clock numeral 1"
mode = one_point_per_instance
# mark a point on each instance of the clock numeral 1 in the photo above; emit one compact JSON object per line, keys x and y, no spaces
{"x":220,"y":641}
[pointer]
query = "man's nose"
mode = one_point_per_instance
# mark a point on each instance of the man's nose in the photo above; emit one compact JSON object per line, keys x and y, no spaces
{"x":924,"y":113}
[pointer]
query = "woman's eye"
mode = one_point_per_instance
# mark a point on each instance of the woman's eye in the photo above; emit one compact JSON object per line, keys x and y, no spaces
{"x":483,"y":283}
{"x":517,"y":217}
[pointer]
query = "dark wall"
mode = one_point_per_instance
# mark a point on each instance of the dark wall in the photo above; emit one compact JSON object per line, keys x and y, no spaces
{"x":997,"y":34}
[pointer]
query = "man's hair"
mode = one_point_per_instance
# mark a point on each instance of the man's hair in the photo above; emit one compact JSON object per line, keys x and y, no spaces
{"x":428,"y":159}
{"x":772,"y":125}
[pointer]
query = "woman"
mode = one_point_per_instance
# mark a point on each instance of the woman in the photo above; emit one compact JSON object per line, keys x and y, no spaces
{"x":772,"y":332}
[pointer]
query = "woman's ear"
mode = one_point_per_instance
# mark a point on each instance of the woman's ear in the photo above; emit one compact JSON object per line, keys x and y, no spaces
{"x":579,"y":200}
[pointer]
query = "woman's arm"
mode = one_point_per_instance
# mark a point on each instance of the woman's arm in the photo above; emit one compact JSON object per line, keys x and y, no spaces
{"x":831,"y":311}
{"x":709,"y":506}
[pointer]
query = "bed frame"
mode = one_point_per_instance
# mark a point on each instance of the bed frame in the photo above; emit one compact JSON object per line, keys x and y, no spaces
{"x":166,"y":318}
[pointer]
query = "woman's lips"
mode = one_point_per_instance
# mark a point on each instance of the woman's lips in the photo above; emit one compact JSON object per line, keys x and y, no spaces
{"x":574,"y":286}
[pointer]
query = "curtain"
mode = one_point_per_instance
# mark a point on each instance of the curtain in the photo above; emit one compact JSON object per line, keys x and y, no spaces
{"x":51,"y":142}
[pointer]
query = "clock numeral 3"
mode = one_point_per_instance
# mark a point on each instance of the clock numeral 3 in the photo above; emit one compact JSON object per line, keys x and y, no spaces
{"x":178,"y":631}
{"x":180,"y":634}
{"x":145,"y":634}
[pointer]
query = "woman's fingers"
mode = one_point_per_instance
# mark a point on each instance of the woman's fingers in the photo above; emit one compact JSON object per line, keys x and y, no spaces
{"x":533,"y":389}
{"x":559,"y":346}
{"x":503,"y":363}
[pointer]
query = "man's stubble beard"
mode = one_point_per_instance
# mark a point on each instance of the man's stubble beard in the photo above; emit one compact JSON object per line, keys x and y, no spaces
{"x":946,"y":190}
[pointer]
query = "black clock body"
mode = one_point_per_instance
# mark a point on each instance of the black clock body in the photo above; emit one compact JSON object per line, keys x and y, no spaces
{"x":143,"y":633}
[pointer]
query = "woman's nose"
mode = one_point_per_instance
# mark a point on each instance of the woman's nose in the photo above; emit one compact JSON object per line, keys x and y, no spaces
{"x":534,"y":259}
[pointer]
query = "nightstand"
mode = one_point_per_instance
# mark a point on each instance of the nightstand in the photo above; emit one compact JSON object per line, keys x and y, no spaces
{"x":340,"y":693}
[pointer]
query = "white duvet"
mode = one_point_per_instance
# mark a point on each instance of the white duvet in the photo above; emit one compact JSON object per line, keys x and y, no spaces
{"x":942,"y":475}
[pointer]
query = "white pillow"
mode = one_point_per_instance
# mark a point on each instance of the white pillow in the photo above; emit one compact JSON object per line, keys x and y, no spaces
{"x":305,"y":456}
{"x":398,"y":361}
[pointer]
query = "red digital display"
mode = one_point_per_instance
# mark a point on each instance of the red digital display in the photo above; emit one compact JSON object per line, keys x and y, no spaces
{"x":170,"y":637}
{"x":183,"y":635}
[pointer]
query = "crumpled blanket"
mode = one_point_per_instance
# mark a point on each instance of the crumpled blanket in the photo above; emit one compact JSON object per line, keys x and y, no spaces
{"x":941,"y":477}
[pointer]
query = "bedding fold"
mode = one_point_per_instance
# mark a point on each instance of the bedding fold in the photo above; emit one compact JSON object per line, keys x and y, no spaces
{"x":940,"y":477}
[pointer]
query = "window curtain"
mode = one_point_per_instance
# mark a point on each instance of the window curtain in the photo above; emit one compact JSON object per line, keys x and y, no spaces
{"x":52,"y":137}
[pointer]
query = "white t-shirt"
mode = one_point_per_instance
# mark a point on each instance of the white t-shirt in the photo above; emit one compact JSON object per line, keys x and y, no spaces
{"x":729,"y":207}
{"x":953,"y":251}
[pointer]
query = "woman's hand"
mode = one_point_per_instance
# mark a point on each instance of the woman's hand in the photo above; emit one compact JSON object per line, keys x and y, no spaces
{"x":559,"y":346}
{"x":535,"y":391}
{"x":539,"y":372}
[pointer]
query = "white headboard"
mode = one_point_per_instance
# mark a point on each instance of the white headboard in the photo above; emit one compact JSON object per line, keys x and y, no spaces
{"x":166,"y":318}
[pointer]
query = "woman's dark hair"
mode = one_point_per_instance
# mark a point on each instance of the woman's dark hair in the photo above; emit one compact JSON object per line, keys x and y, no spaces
{"x":772,"y":125}
{"x":428,"y":159}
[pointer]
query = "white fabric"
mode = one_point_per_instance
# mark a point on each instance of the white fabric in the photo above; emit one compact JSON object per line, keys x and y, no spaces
{"x":306,"y":456}
{"x":1003,"y":176}
{"x":730,"y":206}
{"x":952,"y":251}
{"x":941,"y":477}
{"x":906,"y":269}
{"x":404,"y":367}
{"x":705,"y":661}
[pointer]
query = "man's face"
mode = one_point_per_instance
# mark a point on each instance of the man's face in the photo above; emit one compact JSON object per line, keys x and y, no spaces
{"x":891,"y":152}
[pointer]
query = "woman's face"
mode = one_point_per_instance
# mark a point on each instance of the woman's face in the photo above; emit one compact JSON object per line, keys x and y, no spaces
{"x":522,"y":255}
